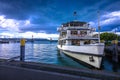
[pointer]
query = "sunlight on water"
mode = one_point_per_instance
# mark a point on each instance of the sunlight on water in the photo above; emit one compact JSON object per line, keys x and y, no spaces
{"x":9,"y":50}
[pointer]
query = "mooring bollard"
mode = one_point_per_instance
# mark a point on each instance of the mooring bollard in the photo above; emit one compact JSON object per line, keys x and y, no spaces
{"x":22,"y":49}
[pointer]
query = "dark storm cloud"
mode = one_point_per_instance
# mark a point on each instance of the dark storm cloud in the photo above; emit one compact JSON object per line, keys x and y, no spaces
{"x":47,"y":15}
{"x":113,"y":6}
{"x":39,"y":28}
{"x":22,"y":9}
{"x":110,"y":27}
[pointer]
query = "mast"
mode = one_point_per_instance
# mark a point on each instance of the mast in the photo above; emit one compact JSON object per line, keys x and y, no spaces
{"x":98,"y":26}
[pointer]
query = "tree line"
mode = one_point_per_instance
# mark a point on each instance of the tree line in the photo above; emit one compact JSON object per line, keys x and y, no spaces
{"x":108,"y":37}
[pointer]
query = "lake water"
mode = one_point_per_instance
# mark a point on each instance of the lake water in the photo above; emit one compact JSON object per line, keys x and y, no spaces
{"x":46,"y":52}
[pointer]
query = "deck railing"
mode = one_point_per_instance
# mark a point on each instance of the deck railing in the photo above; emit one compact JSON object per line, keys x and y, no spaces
{"x":73,"y":27}
{"x":78,"y":37}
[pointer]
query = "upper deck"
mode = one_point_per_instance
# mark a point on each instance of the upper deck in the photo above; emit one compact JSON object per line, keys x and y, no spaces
{"x":74,"y":25}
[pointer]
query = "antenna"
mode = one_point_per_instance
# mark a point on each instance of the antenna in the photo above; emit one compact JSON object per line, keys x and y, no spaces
{"x":98,"y":26}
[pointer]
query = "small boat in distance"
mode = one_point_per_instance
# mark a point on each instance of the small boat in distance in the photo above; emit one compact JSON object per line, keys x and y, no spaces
{"x":77,"y":41}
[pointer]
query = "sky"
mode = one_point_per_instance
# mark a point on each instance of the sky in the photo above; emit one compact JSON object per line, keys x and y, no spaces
{"x":41,"y":18}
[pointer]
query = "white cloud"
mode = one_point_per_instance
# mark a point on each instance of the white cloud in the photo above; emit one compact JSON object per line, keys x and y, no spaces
{"x":117,"y":29}
{"x":27,"y":22}
{"x":2,"y":17}
{"x":29,"y":35}
{"x":93,"y":24}
{"x":110,"y":18}
{"x":6,"y":35}
{"x":113,"y":14}
{"x":12,"y":24}
{"x":38,"y":35}
{"x":108,"y":21}
{"x":118,"y":33}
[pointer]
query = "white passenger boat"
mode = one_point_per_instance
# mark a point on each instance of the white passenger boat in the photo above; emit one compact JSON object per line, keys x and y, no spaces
{"x":77,"y":41}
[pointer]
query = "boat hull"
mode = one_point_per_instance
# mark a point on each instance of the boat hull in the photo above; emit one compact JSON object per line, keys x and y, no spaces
{"x":93,"y":58}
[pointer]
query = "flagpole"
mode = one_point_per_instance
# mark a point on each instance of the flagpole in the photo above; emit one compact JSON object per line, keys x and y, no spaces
{"x":98,"y":26}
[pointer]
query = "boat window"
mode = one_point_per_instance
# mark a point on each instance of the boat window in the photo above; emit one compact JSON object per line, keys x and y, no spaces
{"x":83,"y":33}
{"x":63,"y":34}
{"x":76,"y":42}
{"x":73,"y":32}
{"x":87,"y":42}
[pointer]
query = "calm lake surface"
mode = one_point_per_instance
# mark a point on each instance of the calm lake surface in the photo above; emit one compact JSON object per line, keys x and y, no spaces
{"x":46,"y":52}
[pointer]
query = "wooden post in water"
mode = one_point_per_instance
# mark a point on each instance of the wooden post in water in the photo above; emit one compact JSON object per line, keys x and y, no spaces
{"x":115,"y":55}
{"x":22,"y":49}
{"x":115,"y":51}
